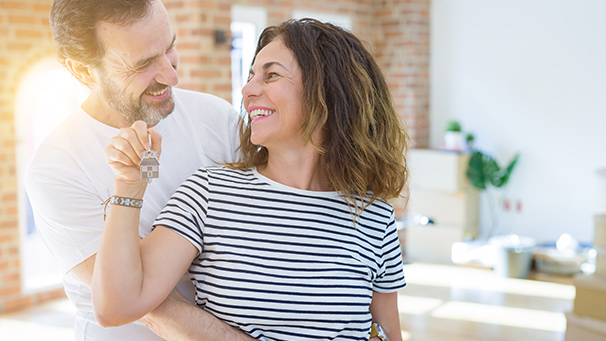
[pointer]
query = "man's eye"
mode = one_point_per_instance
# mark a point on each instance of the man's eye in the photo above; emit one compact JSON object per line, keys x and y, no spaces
{"x":142,"y":67}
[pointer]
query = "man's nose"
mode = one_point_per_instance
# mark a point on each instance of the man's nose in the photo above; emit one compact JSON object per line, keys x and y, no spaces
{"x":167,"y":72}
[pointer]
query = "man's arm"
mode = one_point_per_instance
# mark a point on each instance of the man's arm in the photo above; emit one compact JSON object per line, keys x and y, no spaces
{"x":176,"y":318}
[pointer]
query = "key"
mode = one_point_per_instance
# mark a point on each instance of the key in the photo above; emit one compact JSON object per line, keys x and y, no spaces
{"x":149,"y":165}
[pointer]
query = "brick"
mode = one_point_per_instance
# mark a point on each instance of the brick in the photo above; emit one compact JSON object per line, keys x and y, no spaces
{"x":20,"y":46}
{"x":220,"y":20}
{"x":188,"y":46}
{"x":9,"y":290}
{"x":9,"y":197}
{"x":44,"y":8}
{"x":17,"y":304}
{"x":7,"y":5}
{"x":205,"y":4}
{"x":49,"y":295}
{"x":8,"y":225}
{"x":13,"y":277}
{"x":21,"y":19}
{"x":173,"y":5}
{"x":24,"y":33}
{"x":207,"y":74}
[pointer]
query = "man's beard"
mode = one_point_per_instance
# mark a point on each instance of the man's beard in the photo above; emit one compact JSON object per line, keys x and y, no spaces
{"x":136,"y":109}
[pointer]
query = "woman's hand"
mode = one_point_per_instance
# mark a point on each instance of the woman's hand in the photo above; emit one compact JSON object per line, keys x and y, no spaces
{"x":123,"y":154}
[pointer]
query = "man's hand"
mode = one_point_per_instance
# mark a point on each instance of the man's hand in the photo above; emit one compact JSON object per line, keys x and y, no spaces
{"x":124,"y":151}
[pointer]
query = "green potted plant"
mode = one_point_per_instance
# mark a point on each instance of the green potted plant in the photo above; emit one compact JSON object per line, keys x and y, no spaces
{"x":483,"y":171}
{"x":453,"y":136}
{"x":469,"y":142}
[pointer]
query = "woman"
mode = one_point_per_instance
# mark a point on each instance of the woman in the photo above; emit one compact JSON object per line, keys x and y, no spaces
{"x":296,"y":241}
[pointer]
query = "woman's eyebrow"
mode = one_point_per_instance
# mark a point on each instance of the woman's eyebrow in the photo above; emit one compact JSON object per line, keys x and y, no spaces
{"x":270,"y":64}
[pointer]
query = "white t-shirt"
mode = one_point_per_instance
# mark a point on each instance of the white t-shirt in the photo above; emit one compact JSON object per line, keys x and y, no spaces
{"x":283,"y":263}
{"x":69,"y":179}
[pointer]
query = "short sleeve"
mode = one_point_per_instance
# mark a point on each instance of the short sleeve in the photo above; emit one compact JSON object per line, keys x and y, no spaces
{"x":68,"y":211}
{"x":186,"y":210}
{"x":391,"y":273}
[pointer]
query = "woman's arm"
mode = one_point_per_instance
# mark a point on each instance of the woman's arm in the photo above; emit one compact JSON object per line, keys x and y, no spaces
{"x":384,"y":311}
{"x":132,"y":276}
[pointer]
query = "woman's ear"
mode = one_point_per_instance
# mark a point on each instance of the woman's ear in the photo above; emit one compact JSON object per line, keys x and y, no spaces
{"x":82,"y":72}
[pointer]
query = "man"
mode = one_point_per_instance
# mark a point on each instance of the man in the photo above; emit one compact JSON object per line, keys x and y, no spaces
{"x":124,"y":52}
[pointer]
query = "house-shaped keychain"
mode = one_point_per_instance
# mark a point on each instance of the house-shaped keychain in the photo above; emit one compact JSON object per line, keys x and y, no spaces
{"x":150,"y":166}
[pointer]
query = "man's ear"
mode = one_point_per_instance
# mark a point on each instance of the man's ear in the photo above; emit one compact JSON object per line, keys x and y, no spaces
{"x":82,"y":72}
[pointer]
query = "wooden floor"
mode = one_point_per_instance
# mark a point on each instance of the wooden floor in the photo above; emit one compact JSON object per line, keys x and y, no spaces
{"x":467,"y":304}
{"x":450,"y":303}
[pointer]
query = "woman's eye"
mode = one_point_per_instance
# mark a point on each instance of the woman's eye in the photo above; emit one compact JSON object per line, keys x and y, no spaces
{"x":272,"y":75}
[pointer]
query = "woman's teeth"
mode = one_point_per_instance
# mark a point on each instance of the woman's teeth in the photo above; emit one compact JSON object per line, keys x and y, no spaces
{"x":260,"y":113}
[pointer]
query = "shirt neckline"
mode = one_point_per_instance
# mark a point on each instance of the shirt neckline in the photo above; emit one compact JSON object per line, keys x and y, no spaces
{"x":275,"y":184}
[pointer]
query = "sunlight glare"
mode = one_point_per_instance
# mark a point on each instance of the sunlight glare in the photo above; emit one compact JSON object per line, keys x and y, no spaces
{"x":480,"y":279}
{"x":506,"y":316}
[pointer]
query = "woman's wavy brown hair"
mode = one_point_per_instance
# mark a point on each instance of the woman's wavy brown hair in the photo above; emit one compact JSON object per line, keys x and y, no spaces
{"x":346,"y":96}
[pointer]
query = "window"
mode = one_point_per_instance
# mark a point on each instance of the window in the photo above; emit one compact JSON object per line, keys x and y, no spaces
{"x":46,"y":95}
{"x":247,"y":24}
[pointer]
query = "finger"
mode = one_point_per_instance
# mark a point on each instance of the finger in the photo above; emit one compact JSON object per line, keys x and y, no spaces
{"x":132,"y":142}
{"x":156,"y":139}
{"x":120,"y":150}
{"x":140,"y":128}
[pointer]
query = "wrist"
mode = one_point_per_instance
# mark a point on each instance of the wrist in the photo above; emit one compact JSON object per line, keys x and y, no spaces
{"x":130,"y":189}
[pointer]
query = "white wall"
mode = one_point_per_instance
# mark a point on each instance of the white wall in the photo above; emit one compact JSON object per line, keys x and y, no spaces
{"x":529,"y":77}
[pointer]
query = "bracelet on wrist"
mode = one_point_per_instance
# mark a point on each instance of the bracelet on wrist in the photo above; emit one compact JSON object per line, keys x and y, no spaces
{"x":121,"y":201}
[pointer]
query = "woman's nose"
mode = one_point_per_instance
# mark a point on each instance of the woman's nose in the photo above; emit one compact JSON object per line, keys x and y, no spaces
{"x":251,"y":88}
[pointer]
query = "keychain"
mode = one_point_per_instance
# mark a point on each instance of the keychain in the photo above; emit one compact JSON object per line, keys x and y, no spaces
{"x":150,"y":166}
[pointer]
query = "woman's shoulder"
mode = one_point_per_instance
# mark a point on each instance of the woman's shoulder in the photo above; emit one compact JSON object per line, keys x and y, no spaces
{"x":226,"y":174}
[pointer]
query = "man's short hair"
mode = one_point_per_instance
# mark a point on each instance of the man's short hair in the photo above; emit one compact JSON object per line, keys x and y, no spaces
{"x":74,"y":22}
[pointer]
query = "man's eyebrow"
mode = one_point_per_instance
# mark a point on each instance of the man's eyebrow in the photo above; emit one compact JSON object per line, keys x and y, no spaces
{"x":145,"y":61}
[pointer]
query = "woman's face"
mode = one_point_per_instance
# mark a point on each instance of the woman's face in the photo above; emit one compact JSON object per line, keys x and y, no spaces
{"x":273,"y":97}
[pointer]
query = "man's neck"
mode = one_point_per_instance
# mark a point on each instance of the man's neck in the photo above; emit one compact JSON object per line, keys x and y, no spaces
{"x":96,"y":107}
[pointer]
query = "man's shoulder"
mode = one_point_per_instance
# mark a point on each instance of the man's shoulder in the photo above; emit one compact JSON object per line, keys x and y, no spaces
{"x":190,"y":97}
{"x":78,"y":137}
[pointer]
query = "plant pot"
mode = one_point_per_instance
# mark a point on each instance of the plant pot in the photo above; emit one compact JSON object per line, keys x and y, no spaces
{"x":454,"y":140}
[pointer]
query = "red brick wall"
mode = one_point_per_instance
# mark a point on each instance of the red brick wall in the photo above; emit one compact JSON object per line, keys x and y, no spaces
{"x":25,"y":40}
{"x":402,"y":49}
{"x":397,"y":31}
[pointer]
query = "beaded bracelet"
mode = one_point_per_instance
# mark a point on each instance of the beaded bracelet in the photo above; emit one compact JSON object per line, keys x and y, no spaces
{"x":122,"y":201}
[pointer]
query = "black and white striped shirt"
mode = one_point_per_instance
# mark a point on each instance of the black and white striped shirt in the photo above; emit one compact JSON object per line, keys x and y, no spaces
{"x":283,"y":263}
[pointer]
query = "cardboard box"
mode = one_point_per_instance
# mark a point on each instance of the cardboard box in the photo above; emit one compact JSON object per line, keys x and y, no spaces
{"x":579,"y":328}
{"x":600,"y":263}
{"x":590,"y":299}
{"x":459,"y":208}
{"x":437,"y":170}
{"x":599,"y":234}
{"x":432,"y":243}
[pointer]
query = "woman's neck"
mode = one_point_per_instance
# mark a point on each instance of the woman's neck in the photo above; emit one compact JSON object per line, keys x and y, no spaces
{"x":297,"y":169}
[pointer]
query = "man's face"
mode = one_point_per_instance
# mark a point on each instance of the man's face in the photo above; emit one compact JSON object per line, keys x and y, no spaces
{"x":139,"y":67}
